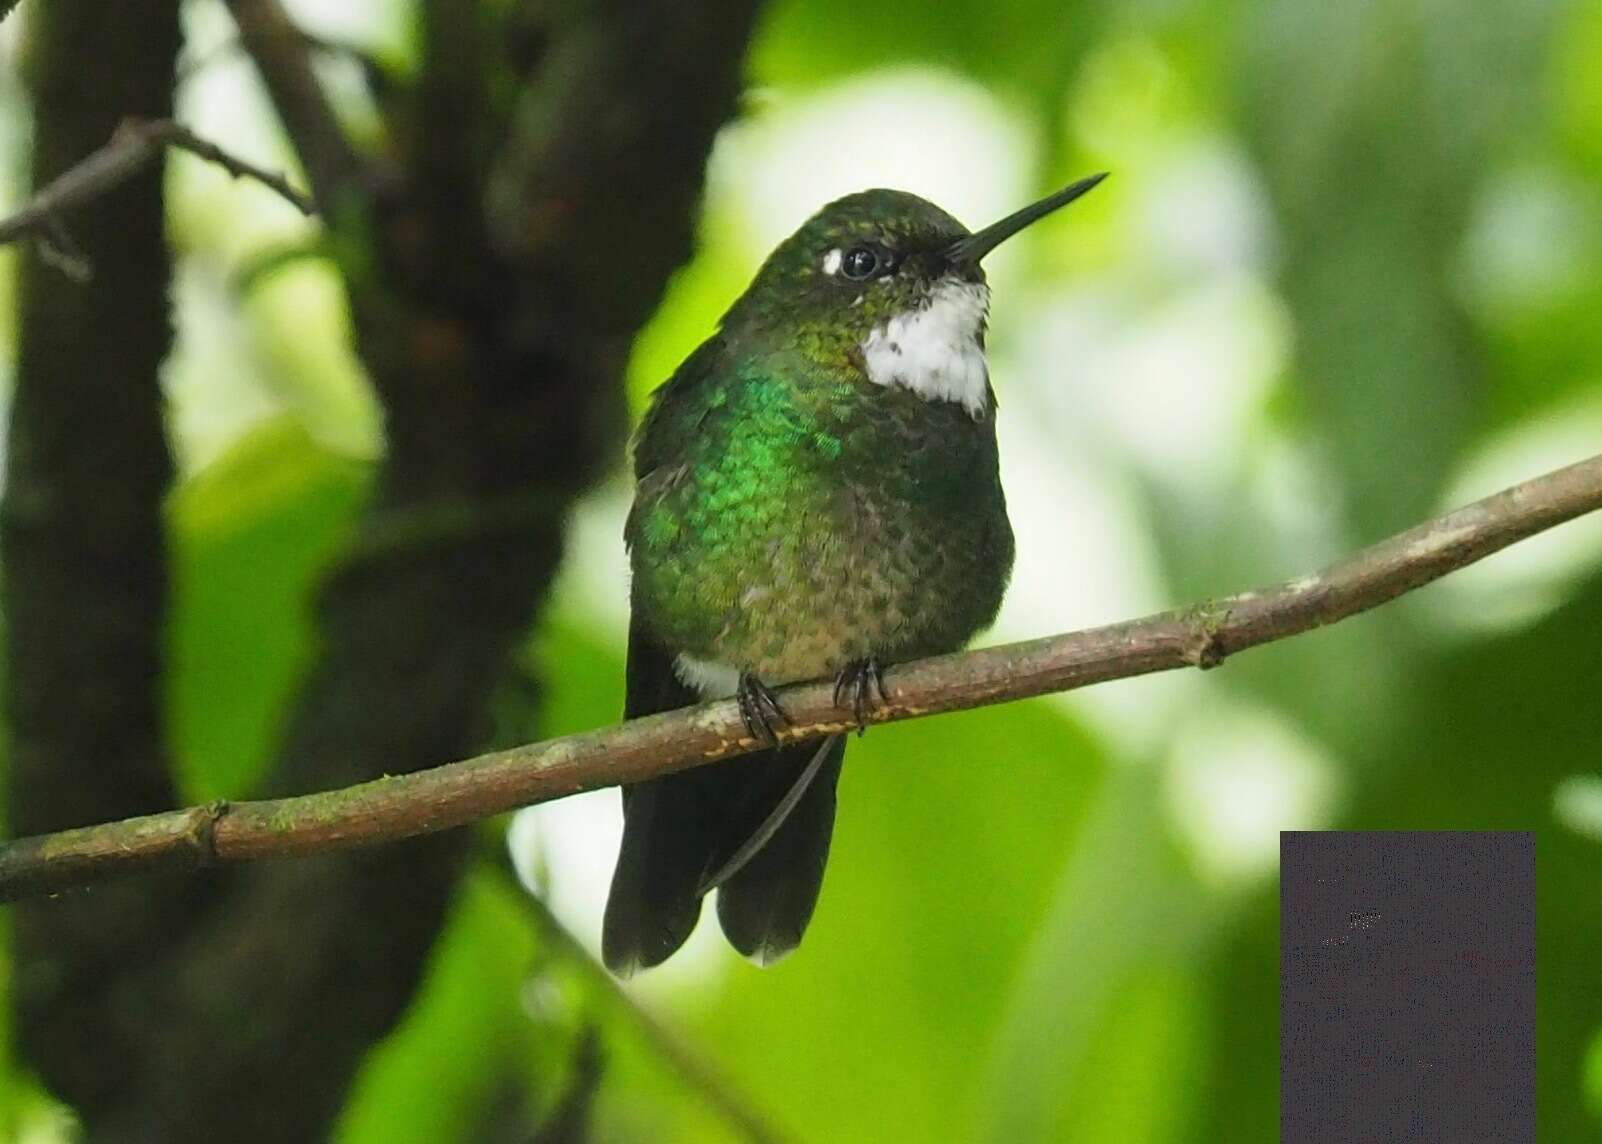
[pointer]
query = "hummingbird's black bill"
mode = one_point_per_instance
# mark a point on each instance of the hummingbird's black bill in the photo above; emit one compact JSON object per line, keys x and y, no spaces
{"x":968,"y":250}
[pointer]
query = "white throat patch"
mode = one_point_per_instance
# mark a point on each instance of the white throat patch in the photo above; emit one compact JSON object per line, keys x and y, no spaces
{"x":935,"y":351}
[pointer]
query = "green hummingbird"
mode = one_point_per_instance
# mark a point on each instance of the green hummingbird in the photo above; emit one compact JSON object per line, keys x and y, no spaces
{"x":816,"y":493}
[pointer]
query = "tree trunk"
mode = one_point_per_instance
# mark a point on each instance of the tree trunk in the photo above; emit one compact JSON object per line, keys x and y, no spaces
{"x":495,"y":327}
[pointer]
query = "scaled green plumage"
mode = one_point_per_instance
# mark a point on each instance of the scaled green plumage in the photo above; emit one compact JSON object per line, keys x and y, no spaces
{"x":791,"y":517}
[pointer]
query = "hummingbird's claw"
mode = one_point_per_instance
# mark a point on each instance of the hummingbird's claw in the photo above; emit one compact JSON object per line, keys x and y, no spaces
{"x":859,"y":680}
{"x":760,"y":709}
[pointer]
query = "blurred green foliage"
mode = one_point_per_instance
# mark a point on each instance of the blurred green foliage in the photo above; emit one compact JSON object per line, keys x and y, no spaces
{"x":249,"y":534}
{"x":1021,"y":937}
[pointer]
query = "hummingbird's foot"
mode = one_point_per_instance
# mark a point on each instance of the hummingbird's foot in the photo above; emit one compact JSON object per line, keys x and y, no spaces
{"x":760,"y":709}
{"x":858,"y":680}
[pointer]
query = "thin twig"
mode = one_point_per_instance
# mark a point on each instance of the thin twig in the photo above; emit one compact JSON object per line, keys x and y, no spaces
{"x":283,"y":58}
{"x":134,"y":144}
{"x":570,"y":1119}
{"x":177,"y":135}
{"x":693,"y":1068}
{"x":458,"y":793}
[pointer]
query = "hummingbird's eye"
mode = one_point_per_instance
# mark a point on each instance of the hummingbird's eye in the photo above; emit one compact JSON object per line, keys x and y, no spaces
{"x":862,"y":262}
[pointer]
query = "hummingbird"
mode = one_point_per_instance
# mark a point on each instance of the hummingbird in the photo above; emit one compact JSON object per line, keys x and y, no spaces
{"x":817,"y":493}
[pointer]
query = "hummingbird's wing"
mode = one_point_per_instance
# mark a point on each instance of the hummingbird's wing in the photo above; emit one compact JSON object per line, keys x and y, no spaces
{"x":756,"y":828}
{"x":686,"y":832}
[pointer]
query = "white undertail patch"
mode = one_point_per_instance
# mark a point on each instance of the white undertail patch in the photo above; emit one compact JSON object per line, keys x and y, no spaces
{"x":936,"y":351}
{"x":711,"y":679}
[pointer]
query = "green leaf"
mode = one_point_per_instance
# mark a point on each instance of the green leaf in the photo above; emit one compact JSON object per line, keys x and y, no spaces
{"x":947,"y":840}
{"x":1102,"y":1025}
{"x":1495,"y":728}
{"x":430,"y":1080}
{"x":1018,"y":45}
{"x":250,"y":534}
{"x":1374,"y":203}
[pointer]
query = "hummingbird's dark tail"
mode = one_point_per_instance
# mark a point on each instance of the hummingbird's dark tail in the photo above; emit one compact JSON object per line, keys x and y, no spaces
{"x":680,"y":831}
{"x":764,"y":907}
{"x":685,"y":832}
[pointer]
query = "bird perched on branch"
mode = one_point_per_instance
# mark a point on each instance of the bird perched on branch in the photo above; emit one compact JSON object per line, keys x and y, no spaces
{"x":816,"y":493}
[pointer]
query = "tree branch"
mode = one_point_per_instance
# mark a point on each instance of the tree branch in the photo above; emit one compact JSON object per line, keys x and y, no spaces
{"x":131,"y":147}
{"x":283,"y":58}
{"x":458,"y":793}
{"x":696,"y":1071}
{"x":501,"y":397}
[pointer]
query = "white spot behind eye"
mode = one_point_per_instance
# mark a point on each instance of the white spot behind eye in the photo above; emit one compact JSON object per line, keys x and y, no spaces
{"x":831,"y":261}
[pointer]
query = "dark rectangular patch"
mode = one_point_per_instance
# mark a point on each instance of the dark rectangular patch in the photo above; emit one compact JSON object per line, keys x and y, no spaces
{"x":1407,"y":986}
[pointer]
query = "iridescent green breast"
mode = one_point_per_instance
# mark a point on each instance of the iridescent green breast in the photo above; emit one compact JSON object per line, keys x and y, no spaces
{"x":790,"y":518}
